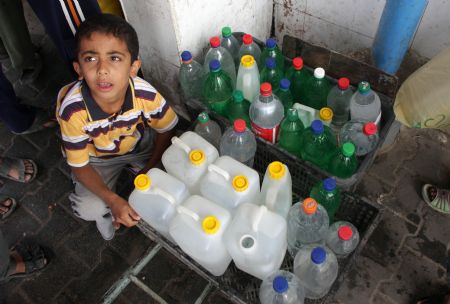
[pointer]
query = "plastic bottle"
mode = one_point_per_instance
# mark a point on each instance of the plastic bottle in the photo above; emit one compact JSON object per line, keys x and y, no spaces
{"x":298,"y":76}
{"x":291,"y":132}
{"x":271,"y":73}
{"x":249,"y":47}
{"x":208,"y":129}
{"x":316,"y":90}
{"x":342,"y":238}
{"x":230,"y":43}
{"x":317,"y":146}
{"x":272,"y":50}
{"x":339,"y":101}
{"x":281,"y":287}
{"x":307,"y":223}
{"x":326,"y":116}
{"x":365,"y":104}
{"x":239,"y":143}
{"x":248,"y":78}
{"x":191,"y":76}
{"x":217,"y":89}
{"x":364,"y":135}
{"x":317,"y":269}
{"x":266,"y":113}
{"x":285,"y":95}
{"x":343,"y":163}
{"x":238,"y":108}
{"x":226,"y":60}
{"x":328,"y":195}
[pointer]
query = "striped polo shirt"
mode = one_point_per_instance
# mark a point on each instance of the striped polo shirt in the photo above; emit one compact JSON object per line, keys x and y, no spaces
{"x":88,"y":131}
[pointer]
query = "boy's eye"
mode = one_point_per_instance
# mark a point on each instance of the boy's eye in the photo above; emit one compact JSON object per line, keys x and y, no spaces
{"x":89,"y":59}
{"x":115,"y":58}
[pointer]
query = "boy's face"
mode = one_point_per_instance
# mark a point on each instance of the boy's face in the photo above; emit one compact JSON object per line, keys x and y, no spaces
{"x":104,"y":62}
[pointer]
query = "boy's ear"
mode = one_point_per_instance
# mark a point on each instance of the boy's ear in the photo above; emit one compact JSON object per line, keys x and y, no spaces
{"x":77,"y":68}
{"x":135,"y":66}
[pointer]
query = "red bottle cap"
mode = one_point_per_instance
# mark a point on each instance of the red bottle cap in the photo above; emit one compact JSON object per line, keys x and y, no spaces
{"x":265,"y":89}
{"x":343,"y":83}
{"x":214,"y":41}
{"x":247,"y":39}
{"x":239,"y":125}
{"x":370,"y":128}
{"x":345,"y":233}
{"x":297,"y":63}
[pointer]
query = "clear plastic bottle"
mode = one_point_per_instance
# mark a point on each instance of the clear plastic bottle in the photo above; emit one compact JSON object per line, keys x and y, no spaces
{"x":248,"y":78}
{"x":208,"y":129}
{"x":342,"y":238}
{"x":285,"y":95}
{"x":191,"y":76}
{"x":339,"y":101}
{"x":249,"y":47}
{"x":271,"y":73}
{"x":317,"y":145}
{"x":317,"y":269}
{"x":266,"y":113}
{"x":291,"y":132}
{"x":230,"y":43}
{"x":343,"y":163}
{"x":239,"y":142}
{"x":272,"y":50}
{"x":328,"y":195}
{"x":298,"y":76}
{"x":217,"y":89}
{"x":364,"y":135}
{"x":281,"y":287}
{"x":307,"y":223}
{"x":365,"y":104}
{"x":225,"y":58}
{"x":317,"y":89}
{"x":238,"y":108}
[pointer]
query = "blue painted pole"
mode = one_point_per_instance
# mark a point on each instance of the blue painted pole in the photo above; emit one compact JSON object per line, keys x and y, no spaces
{"x":396,"y":30}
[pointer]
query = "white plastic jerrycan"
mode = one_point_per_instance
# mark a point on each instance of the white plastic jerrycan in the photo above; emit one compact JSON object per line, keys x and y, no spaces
{"x":257,"y":240}
{"x":198,"y":229}
{"x":229,"y":183}
{"x":305,"y":113}
{"x":276,"y":190}
{"x":188,"y":158}
{"x":156,"y":197}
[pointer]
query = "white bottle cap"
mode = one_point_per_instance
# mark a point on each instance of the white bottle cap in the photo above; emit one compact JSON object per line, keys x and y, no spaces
{"x":319,"y":73}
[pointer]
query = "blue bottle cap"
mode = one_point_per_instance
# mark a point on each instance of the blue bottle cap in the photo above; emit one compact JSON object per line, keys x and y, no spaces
{"x":285,"y":84}
{"x":318,"y":255}
{"x":271,"y":43}
{"x":280,"y":284}
{"x":329,"y":184}
{"x":270,"y":63}
{"x":214,"y":65}
{"x":186,"y":56}
{"x":317,"y":127}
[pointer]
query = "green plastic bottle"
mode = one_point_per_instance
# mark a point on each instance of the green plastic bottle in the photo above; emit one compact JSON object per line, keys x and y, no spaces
{"x":238,"y":108}
{"x":291,"y":132}
{"x":285,"y":95}
{"x":317,"y":89}
{"x":328,"y":195}
{"x":317,"y":146}
{"x":271,"y":73}
{"x":344,"y":164}
{"x":272,"y":50}
{"x":217,"y":89}
{"x":298,"y":76}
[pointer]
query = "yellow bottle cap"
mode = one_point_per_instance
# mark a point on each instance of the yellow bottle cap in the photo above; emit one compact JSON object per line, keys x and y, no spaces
{"x":210,"y":224}
{"x":247,"y":61}
{"x":325,"y":114}
{"x":142,"y":182}
{"x":276,"y":170}
{"x":309,"y":205}
{"x":240,"y":183}
{"x":197,"y":157}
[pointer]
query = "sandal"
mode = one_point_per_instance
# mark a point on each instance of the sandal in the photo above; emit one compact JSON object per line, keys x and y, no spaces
{"x":42,"y":121}
{"x":8,"y":163}
{"x":436,"y":198}
{"x":9,"y":208}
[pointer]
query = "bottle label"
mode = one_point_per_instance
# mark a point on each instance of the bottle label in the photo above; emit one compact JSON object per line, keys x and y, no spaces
{"x":267,"y":134}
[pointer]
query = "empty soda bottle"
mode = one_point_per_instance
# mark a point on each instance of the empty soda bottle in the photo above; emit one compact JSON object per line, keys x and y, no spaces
{"x":285,"y":95}
{"x":217,"y":52}
{"x":271,"y":73}
{"x":316,"y":90}
{"x":281,"y":287}
{"x":298,"y":76}
{"x":339,"y":101}
{"x":239,"y":143}
{"x":217,"y":88}
{"x":364,"y":135}
{"x":249,"y":47}
{"x":344,"y":163}
{"x":272,"y":50}
{"x":248,"y":78}
{"x":317,"y":145}
{"x":291,"y":132}
{"x":328,"y":195}
{"x":230,"y":43}
{"x":238,"y":108}
{"x":365,"y":104}
{"x":342,"y":238}
{"x":191,"y":76}
{"x":208,"y":129}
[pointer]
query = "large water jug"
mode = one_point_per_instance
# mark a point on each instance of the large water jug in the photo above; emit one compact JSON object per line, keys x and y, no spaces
{"x":317,"y":269}
{"x":198,"y":229}
{"x":281,"y":287}
{"x":342,"y":238}
{"x":188,"y":158}
{"x":306,"y":114}
{"x":156,"y":197}
{"x":256,"y":240}
{"x":276,"y":190}
{"x":229,"y":183}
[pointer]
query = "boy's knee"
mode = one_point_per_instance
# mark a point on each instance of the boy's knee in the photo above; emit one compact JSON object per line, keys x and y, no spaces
{"x":89,"y":208}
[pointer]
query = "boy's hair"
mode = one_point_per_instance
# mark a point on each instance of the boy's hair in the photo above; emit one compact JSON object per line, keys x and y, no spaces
{"x":108,"y":24}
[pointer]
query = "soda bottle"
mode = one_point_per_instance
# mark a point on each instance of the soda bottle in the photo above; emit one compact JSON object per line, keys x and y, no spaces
{"x":217,"y":88}
{"x":271,"y":73}
{"x":291,"y":132}
{"x":248,"y":78}
{"x":249,"y":47}
{"x":238,"y":108}
{"x":272,"y":50}
{"x":344,"y":164}
{"x":230,"y":43}
{"x":191,"y":76}
{"x":208,"y":129}
{"x":298,"y":76}
{"x":220,"y":53}
{"x":317,"y":146}
{"x":365,"y":104}
{"x":339,"y":101}
{"x":285,"y":95}
{"x":364,"y":135}
{"x":342,"y":238}
{"x":266,"y":113}
{"x":281,"y":287}
{"x":239,"y":143}
{"x":328,"y":195}
{"x":316,"y":90}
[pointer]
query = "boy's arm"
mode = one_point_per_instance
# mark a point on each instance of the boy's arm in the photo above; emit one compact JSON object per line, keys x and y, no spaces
{"x":162,"y":141}
{"x":120,"y":208}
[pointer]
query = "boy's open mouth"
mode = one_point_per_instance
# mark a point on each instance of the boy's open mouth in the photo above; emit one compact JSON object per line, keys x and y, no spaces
{"x":104,"y":86}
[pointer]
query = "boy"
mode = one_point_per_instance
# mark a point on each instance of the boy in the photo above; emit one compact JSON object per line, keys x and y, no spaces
{"x":104,"y":119}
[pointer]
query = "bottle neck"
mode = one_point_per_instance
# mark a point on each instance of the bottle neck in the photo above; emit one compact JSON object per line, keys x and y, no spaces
{"x":266,"y":99}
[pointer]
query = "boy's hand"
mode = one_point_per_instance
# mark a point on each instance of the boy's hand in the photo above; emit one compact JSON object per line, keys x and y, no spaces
{"x":123,"y":213}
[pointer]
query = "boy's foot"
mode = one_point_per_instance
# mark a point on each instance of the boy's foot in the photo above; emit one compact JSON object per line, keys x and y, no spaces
{"x":7,"y":206}
{"x":436,"y":198}
{"x":16,"y":169}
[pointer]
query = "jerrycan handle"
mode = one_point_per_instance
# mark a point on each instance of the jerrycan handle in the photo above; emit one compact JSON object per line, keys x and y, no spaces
{"x":164,"y":194}
{"x":271,"y":196}
{"x":220,"y":171}
{"x":305,"y":113}
{"x":188,"y":212}
{"x":180,"y":144}
{"x":258,"y":217}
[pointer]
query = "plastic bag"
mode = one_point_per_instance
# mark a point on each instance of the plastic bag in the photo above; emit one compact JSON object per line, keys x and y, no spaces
{"x":423,"y":100}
